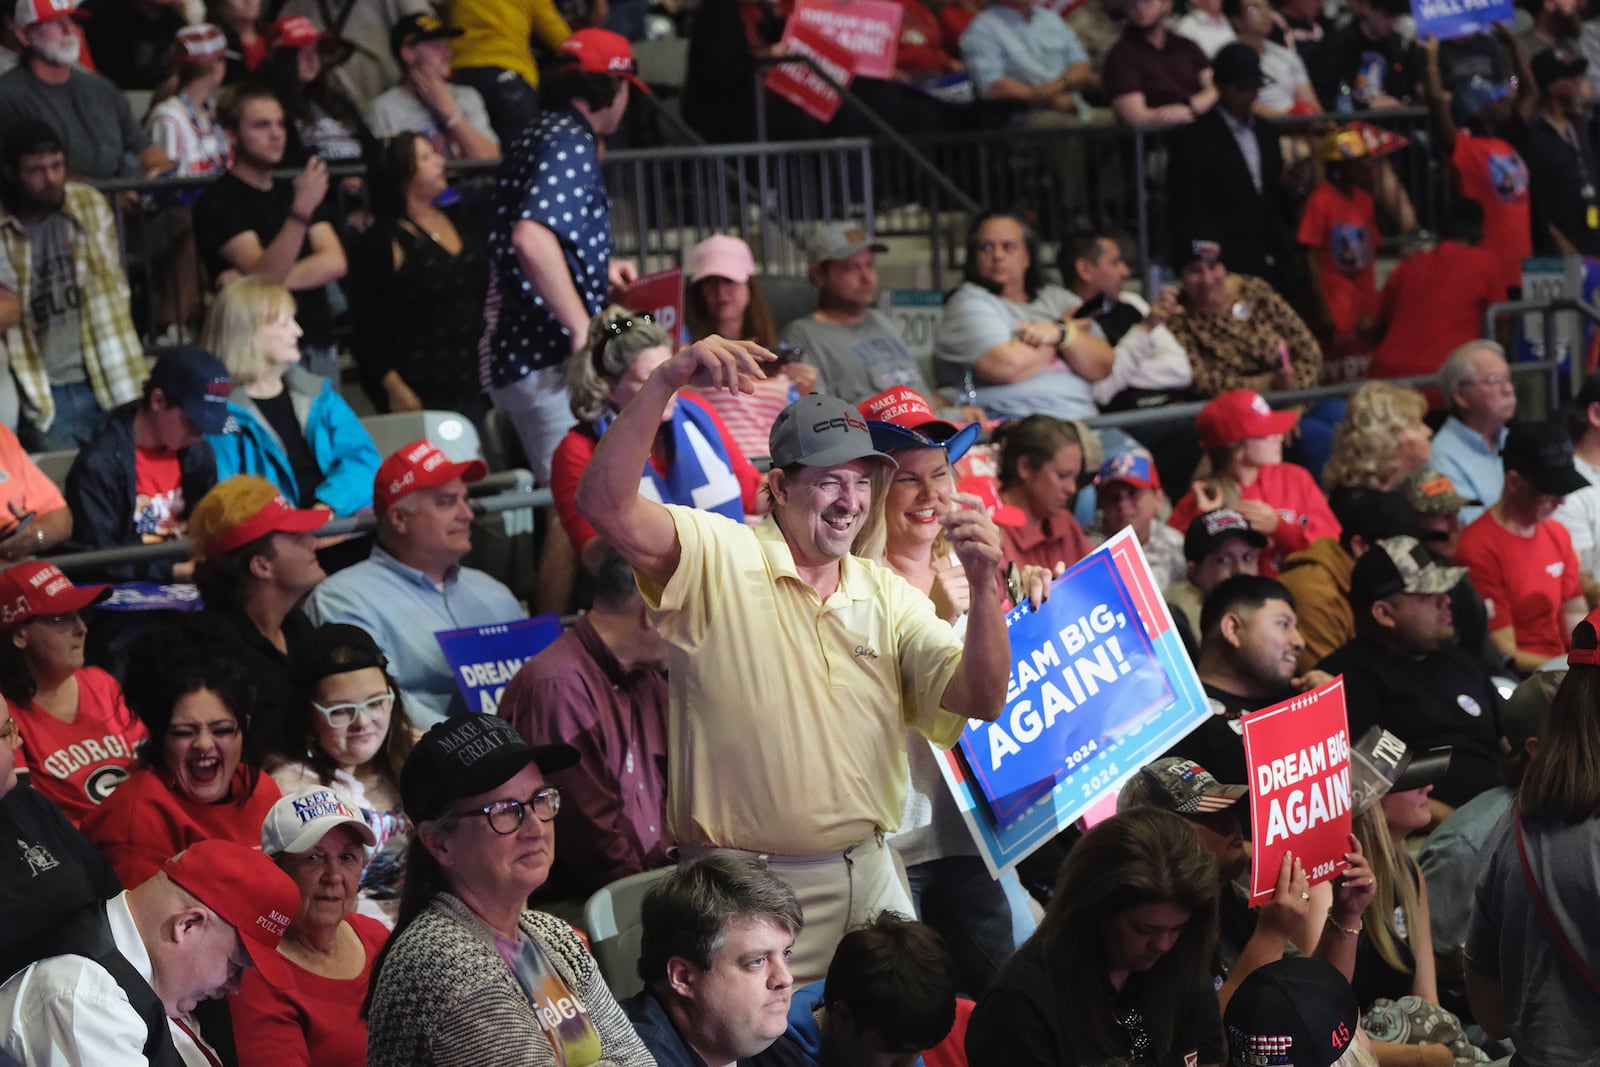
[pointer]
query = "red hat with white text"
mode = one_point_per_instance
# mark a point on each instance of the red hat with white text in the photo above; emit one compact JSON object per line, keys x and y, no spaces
{"x":900,"y":417}
{"x":1238,"y":415}
{"x":29,"y":590}
{"x":420,"y":465}
{"x":602,"y":52}
{"x":33,"y":12}
{"x":248,"y":892}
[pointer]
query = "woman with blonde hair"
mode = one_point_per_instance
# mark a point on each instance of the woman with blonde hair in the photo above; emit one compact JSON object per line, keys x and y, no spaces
{"x":695,"y":461}
{"x":1381,"y":440}
{"x":294,"y":429}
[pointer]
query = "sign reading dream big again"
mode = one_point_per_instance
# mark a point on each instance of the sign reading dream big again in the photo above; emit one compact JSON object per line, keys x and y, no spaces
{"x":1100,"y":685}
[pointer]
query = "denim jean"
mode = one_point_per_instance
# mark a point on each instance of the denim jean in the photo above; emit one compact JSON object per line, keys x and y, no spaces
{"x":78,"y":418}
{"x":512,"y":104}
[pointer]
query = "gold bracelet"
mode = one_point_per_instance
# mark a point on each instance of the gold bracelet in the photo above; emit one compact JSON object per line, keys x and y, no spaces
{"x":1349,"y":931}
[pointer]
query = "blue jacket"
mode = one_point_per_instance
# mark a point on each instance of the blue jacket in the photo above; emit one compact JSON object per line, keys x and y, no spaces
{"x":339,"y":443}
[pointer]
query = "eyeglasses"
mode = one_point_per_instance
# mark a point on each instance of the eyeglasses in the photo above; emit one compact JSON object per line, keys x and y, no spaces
{"x":505,"y":816}
{"x":1132,"y":1024}
{"x":340,"y":715}
{"x":1493,"y":381}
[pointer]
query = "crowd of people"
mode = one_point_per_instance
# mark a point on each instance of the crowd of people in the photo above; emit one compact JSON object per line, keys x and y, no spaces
{"x":270,"y":826}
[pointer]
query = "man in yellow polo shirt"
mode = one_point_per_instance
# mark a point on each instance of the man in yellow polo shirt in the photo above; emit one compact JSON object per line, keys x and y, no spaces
{"x":795,"y":666}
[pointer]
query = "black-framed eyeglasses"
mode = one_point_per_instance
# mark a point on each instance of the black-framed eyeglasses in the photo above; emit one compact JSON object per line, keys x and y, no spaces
{"x":505,"y":816}
{"x":1132,"y":1023}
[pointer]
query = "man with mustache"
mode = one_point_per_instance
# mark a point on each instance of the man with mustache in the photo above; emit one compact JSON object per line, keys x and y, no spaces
{"x":795,"y":667}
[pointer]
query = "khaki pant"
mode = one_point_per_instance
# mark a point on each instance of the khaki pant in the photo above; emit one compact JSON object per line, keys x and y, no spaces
{"x":837,"y":891}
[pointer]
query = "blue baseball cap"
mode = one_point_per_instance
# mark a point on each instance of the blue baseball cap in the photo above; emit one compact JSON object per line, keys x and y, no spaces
{"x":197,"y":382}
{"x":1132,"y":465}
{"x":1472,"y":95}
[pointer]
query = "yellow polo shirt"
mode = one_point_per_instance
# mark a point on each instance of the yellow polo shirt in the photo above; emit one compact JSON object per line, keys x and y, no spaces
{"x":786,"y":732}
{"x":494,"y":33}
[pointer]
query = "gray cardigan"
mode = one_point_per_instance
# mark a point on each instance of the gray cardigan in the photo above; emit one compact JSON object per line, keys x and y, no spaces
{"x":445,"y":997}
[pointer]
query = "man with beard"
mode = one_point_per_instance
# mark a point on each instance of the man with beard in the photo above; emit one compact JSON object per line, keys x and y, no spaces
{"x":90,"y":115}
{"x":806,"y":664}
{"x":74,"y":351}
{"x":1404,"y":672}
{"x":248,"y":222}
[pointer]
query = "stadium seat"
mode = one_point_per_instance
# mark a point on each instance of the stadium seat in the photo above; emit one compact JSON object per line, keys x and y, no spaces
{"x":55,"y":465}
{"x":455,"y":435}
{"x":611,"y":917}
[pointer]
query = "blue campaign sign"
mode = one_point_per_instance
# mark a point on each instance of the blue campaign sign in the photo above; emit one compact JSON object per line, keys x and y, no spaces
{"x":152,"y":596}
{"x":484,"y":658}
{"x":1446,"y":19}
{"x":1100,"y":685}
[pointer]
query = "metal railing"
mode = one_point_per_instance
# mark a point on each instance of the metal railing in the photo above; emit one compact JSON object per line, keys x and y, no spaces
{"x":500,"y":493}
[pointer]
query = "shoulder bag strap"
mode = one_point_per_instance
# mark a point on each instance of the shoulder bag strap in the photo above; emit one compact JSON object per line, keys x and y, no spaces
{"x":1550,"y":919}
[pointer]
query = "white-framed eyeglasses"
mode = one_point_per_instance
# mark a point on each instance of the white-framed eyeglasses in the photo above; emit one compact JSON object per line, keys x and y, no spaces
{"x":339,"y":715}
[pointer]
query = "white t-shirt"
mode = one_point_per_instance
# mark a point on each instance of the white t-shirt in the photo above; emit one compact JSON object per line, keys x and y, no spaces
{"x":398,"y":110}
{"x":1210,"y":32}
{"x":1287,"y":70}
{"x":190,"y":136}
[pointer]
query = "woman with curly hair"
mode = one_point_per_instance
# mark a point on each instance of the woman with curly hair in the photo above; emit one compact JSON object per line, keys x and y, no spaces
{"x":1381,"y":440}
{"x":1119,"y":966}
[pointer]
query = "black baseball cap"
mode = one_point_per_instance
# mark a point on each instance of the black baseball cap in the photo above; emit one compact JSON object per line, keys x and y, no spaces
{"x":1373,"y":514}
{"x":1542,"y":454}
{"x":1296,"y":1012}
{"x":423,"y":26}
{"x":1238,"y":65}
{"x":466,"y":755}
{"x":820,"y":431}
{"x":1380,"y":764}
{"x":336,"y":648}
{"x":197,"y":382}
{"x":1553,"y":64}
{"x":1207,"y":532}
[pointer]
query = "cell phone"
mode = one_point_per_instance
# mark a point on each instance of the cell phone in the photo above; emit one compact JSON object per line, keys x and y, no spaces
{"x":787,"y":353}
{"x":23,"y":522}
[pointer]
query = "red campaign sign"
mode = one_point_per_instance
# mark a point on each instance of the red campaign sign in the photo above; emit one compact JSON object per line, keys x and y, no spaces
{"x":868,"y":29}
{"x":661,"y":294}
{"x":799,"y":84}
{"x":1298,"y":753}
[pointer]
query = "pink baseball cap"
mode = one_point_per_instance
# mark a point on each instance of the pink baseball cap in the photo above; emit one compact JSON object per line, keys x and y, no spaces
{"x":720,"y":256}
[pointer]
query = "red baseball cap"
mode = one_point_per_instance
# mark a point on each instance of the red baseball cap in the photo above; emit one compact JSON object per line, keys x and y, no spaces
{"x":39,"y":588}
{"x":900,"y":417}
{"x":244,"y":507}
{"x":32,"y":12}
{"x":420,"y":465}
{"x":1237,"y":415}
{"x":603,"y":52}
{"x":983,"y":488}
{"x":295,"y":31}
{"x":248,"y":892}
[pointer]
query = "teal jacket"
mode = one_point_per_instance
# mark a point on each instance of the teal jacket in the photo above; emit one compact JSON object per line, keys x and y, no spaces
{"x":340,"y":444}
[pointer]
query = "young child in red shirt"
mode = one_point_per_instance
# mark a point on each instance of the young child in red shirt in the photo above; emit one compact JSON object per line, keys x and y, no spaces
{"x":1339,"y":235}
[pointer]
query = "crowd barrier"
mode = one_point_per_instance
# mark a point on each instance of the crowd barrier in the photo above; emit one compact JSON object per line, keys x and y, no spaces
{"x":502,"y":493}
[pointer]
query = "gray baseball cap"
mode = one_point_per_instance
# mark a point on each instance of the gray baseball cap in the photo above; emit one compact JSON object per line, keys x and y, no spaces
{"x":820,"y":431}
{"x":1178,"y":785}
{"x":841,"y":240}
{"x":1380,"y":763}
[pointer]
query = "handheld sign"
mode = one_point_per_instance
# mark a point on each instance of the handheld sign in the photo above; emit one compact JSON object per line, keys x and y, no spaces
{"x":661,"y":294}
{"x":484,"y":658}
{"x":1446,"y":19}
{"x":868,"y":29}
{"x":799,"y":84}
{"x":1298,"y":753}
{"x":1100,"y":685}
{"x":152,"y":596}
